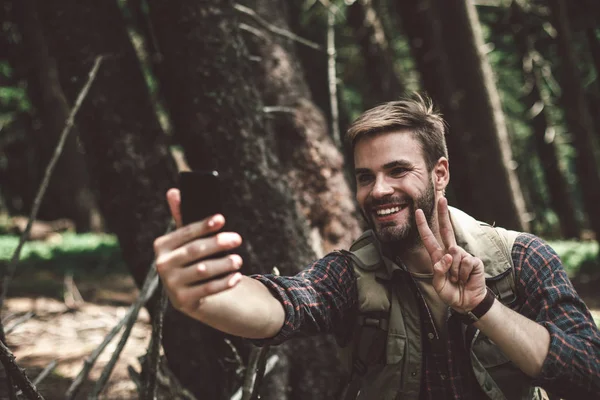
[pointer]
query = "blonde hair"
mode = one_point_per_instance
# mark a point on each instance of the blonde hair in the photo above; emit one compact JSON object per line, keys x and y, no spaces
{"x":415,"y":114}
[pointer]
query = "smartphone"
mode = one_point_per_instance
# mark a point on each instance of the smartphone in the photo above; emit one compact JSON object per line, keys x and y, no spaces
{"x":201,"y":198}
{"x":200,"y":195}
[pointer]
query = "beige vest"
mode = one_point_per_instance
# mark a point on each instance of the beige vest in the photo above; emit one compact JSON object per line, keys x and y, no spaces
{"x":384,"y":353}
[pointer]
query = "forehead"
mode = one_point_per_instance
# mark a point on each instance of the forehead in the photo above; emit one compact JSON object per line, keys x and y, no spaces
{"x":374,"y":151}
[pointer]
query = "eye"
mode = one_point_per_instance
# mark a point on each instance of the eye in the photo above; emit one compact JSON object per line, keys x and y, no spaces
{"x":398,"y":171}
{"x":363,"y":179}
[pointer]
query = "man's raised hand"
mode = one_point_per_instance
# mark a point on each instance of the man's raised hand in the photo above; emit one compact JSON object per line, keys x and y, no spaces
{"x":458,"y":277}
{"x":181,"y":259}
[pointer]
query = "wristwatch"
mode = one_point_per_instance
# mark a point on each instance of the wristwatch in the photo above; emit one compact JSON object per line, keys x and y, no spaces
{"x":479,"y":311}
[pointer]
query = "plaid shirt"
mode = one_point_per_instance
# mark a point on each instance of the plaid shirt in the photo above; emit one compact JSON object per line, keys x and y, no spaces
{"x":323,"y":299}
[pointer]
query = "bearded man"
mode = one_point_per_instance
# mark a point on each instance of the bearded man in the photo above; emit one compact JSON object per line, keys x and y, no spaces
{"x":427,"y":304}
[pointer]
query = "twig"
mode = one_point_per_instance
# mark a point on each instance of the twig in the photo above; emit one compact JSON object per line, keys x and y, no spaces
{"x":332,"y":78}
{"x":17,"y":374}
{"x":47,"y":175}
{"x":271,"y":361}
{"x":148,"y":288}
{"x":259,"y":371}
{"x":274,"y":29}
{"x":149,"y":391}
{"x":19,"y":321}
{"x":239,"y":371}
{"x":38,"y":379}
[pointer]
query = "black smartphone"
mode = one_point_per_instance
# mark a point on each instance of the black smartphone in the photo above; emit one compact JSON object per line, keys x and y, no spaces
{"x":200,"y":195}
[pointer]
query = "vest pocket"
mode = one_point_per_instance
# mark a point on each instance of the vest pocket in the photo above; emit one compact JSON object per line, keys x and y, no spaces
{"x":395,"y":348}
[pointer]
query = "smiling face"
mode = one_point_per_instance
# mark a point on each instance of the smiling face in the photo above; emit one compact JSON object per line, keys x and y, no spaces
{"x":393,"y":181}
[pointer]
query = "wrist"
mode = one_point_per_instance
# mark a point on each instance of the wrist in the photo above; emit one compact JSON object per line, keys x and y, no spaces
{"x":470,"y":316}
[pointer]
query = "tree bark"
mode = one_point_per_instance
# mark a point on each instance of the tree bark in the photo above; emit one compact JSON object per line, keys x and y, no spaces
{"x":382,"y":79}
{"x":311,"y":161}
{"x":578,"y":117}
{"x":560,"y":200}
{"x":218,"y":117}
{"x":126,"y":151}
{"x":445,"y":37}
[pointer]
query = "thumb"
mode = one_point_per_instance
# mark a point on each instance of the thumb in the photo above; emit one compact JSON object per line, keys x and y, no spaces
{"x":174,"y":200}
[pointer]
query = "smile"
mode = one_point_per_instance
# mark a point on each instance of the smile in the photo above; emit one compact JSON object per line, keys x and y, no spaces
{"x":382,"y":212}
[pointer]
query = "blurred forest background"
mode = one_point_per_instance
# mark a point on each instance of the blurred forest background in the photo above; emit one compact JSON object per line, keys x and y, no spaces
{"x":262,"y":90}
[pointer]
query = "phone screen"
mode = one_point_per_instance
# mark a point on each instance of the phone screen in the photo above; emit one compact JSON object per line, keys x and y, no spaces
{"x":200,"y":195}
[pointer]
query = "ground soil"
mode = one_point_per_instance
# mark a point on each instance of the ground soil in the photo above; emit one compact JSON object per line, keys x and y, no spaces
{"x":69,"y":335}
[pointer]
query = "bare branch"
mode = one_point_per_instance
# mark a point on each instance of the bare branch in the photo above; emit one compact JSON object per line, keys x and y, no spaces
{"x":19,"y":321}
{"x":274,"y":29}
{"x":148,"y":288}
{"x":18,"y":374}
{"x":149,"y":391}
{"x":332,"y":78}
{"x":47,"y":175}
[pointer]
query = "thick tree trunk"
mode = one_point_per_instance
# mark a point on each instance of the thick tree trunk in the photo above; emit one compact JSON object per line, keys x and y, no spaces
{"x":68,"y":194}
{"x":311,"y":161}
{"x":560,"y":200}
{"x":126,"y":153}
{"x":381,"y":76}
{"x":446,"y":39}
{"x":218,"y":117}
{"x":578,"y":117}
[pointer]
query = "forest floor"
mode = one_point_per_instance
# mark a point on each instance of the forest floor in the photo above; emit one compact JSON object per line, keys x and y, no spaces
{"x":68,"y":335}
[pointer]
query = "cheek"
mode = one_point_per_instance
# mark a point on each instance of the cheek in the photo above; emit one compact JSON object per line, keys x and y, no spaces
{"x":361,"y":196}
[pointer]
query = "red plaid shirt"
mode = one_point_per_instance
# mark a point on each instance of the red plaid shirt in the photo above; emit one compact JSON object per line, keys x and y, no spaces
{"x":323,"y":299}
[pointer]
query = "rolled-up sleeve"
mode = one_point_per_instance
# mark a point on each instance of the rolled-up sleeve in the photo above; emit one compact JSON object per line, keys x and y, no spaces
{"x":572,"y":366}
{"x":319,"y":299}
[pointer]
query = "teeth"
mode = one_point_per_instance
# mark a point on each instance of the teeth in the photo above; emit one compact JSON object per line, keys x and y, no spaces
{"x":388,"y":211}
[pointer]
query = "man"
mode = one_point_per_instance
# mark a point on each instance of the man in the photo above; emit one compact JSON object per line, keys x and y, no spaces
{"x":428,"y":304}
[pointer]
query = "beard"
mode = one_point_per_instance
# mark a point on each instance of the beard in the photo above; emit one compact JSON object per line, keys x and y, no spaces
{"x":406,"y":236}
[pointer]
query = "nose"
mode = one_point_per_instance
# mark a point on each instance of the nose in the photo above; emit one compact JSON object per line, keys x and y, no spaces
{"x":381,"y":188}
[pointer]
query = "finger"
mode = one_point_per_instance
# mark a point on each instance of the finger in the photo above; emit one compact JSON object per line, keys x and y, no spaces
{"x":198,"y":249}
{"x":190,"y":298}
{"x":457,"y":259}
{"x":446,"y":230}
{"x":174,"y":201}
{"x":466,"y":268}
{"x":210,"y":268}
{"x":428,"y":238}
{"x":187,"y":233}
{"x":440,"y":269}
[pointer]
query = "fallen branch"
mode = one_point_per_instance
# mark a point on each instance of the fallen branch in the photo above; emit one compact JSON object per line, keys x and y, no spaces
{"x":274,"y":29}
{"x":47,"y":175}
{"x":148,"y":288}
{"x":38,"y":379}
{"x":18,"y":374}
{"x":149,"y":391}
{"x":19,"y":321}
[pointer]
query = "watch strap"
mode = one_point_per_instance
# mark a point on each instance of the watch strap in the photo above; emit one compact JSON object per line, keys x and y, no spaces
{"x":480,"y":310}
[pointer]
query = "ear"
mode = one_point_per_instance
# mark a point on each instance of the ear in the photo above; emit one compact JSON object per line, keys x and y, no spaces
{"x":441,"y":174}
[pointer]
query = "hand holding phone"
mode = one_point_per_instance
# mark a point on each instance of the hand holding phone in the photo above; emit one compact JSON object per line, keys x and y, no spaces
{"x":200,"y":195}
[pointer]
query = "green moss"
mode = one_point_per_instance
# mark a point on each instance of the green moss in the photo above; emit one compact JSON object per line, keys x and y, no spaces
{"x":577,"y":257}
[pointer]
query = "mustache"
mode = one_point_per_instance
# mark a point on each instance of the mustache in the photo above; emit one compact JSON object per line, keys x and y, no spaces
{"x":391,"y":199}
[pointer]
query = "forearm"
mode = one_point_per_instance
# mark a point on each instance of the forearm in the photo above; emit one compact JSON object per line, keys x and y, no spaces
{"x":523,"y":341}
{"x":247,"y":310}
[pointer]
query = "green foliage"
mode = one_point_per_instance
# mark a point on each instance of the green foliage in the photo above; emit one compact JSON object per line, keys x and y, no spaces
{"x":578,"y":257}
{"x":80,"y":253}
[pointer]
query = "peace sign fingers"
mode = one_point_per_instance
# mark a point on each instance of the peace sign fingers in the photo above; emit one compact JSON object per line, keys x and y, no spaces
{"x":436,"y":252}
{"x":446,"y":231}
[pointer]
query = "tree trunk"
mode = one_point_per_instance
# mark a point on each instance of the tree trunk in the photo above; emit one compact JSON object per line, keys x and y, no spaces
{"x":560,"y":200}
{"x":383,"y":82}
{"x":68,"y":194}
{"x":126,"y":152}
{"x":445,"y":37}
{"x":578,"y":117}
{"x":218,"y":117}
{"x":312,"y":163}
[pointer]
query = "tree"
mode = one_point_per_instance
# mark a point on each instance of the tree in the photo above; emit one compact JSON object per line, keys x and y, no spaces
{"x":126,"y":152}
{"x":446,"y":40}
{"x":578,"y":117}
{"x":560,"y":199}
{"x":219,"y":119}
{"x":384,"y":83}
